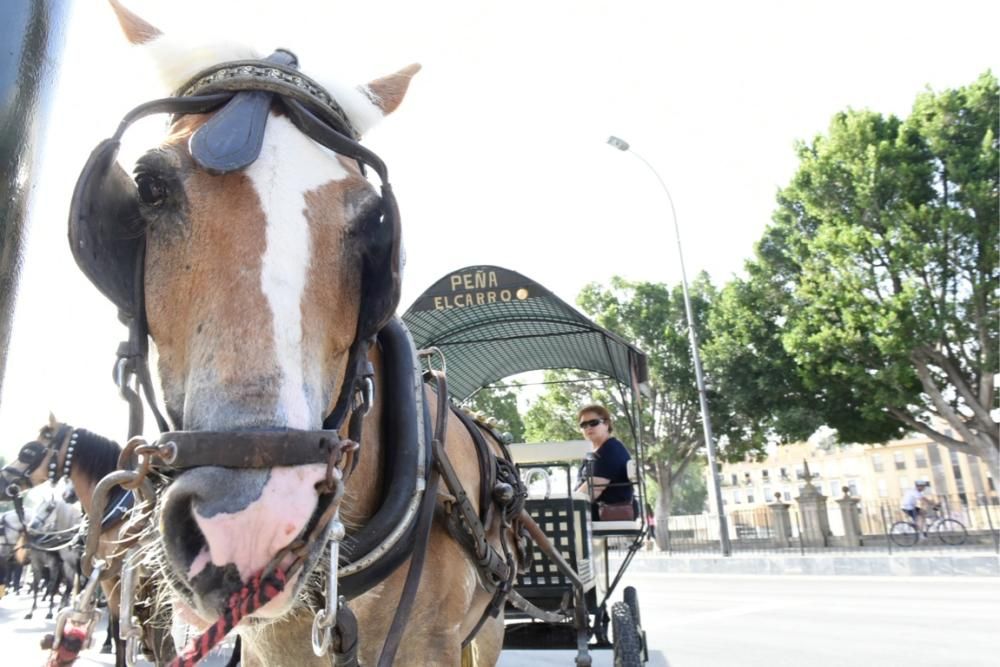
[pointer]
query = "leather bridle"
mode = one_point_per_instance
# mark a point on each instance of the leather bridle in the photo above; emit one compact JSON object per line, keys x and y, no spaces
{"x":33,"y":453}
{"x":240,"y":95}
{"x":243,"y":93}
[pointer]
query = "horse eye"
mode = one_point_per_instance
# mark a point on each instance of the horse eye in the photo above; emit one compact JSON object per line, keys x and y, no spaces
{"x":152,"y":190}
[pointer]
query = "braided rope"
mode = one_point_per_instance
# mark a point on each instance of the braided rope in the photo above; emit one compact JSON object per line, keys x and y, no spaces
{"x":69,"y":648}
{"x":255,"y":594}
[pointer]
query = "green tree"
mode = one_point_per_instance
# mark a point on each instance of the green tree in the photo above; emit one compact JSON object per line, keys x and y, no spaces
{"x":652,"y":316}
{"x":500,"y":404}
{"x":552,"y":416}
{"x":872,"y":302}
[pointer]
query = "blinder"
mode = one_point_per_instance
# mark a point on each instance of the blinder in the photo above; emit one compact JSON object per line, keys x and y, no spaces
{"x":32,"y":454}
{"x":106,"y":232}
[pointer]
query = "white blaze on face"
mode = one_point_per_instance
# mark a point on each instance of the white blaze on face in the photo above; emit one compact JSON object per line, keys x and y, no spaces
{"x":289,"y":166}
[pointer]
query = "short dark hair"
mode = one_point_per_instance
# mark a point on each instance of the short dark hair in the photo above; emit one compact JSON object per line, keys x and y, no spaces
{"x":601,"y":412}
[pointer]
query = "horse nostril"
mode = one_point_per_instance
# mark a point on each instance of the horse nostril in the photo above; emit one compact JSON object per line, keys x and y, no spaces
{"x":183,"y":539}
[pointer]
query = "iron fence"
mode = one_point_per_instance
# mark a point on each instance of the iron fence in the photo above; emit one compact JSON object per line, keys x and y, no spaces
{"x":789,"y":528}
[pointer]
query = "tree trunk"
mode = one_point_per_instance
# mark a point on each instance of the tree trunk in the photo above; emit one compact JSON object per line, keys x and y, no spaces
{"x":663,"y":502}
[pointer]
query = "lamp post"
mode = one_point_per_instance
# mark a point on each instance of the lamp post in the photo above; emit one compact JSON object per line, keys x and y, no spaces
{"x":706,"y":422}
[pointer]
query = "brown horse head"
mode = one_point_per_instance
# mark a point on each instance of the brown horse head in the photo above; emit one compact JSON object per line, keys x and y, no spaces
{"x":37,"y":458}
{"x":254,"y":290}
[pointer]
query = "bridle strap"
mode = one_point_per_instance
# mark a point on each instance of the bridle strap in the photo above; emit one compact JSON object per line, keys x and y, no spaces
{"x":245,"y":449}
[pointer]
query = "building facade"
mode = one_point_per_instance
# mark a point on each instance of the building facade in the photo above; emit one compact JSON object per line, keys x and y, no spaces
{"x":870,"y":472}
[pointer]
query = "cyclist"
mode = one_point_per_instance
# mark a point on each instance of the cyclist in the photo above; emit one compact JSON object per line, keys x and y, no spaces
{"x":916,"y":502}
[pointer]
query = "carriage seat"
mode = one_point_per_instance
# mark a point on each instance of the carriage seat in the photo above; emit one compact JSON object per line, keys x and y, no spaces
{"x":621,"y":528}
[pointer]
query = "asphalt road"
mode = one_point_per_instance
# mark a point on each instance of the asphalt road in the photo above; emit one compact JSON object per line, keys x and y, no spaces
{"x":791,"y":621}
{"x":725,"y":620}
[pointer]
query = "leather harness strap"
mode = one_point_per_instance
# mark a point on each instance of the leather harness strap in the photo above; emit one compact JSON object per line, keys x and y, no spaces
{"x":409,"y":592}
{"x":246,"y":449}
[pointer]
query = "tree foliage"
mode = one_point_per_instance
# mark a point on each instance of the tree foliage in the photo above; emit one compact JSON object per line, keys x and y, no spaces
{"x":871,"y":304}
{"x":500,"y":403}
{"x":651,"y":316}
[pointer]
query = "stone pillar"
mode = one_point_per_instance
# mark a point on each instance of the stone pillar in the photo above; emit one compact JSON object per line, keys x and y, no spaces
{"x":812,"y":508}
{"x":781,"y":523}
{"x":849,"y":514}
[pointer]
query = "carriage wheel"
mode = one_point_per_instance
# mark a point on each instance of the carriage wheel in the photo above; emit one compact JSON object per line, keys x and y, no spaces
{"x":903,"y":534}
{"x":631,"y":598}
{"x":951,"y":532}
{"x":627,"y":645}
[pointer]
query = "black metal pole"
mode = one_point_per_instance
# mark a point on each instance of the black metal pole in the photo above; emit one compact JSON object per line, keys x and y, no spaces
{"x":32,"y":34}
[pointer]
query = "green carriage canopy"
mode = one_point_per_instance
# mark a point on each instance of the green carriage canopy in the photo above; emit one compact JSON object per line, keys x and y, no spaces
{"x":491,"y":323}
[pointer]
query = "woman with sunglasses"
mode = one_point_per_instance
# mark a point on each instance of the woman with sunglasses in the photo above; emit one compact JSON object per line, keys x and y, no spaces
{"x":609,"y":459}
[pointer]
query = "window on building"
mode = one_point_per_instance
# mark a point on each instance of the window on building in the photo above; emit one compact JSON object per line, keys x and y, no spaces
{"x":788,"y":496}
{"x":920,"y":458}
{"x":802,"y":488}
{"x":737,"y":497}
{"x":747,"y":479}
{"x":800,"y":472}
{"x":990,"y":484}
{"x":735,"y":479}
{"x":835,"y":491}
{"x":956,"y":467}
{"x":784,"y":473}
{"x":749,"y":496}
{"x":883,"y":488}
{"x":767,"y":494}
{"x":877,"y":464}
{"x":900,"y":459}
{"x":852,"y":486}
{"x":763,"y":475}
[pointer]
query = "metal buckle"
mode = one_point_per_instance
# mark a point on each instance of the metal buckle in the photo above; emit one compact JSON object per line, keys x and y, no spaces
{"x":129,"y":629}
{"x":326,"y":619}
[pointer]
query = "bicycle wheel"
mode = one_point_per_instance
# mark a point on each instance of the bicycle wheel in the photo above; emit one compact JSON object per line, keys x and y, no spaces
{"x":951,"y":532}
{"x":903,"y":534}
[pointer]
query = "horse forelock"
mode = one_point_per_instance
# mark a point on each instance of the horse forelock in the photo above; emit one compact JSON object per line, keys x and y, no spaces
{"x":177,"y":58}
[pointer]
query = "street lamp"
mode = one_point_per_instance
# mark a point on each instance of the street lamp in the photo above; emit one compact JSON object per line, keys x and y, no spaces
{"x":706,"y":422}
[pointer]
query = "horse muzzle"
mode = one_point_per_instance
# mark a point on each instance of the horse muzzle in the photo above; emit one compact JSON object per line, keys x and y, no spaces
{"x":221,"y":526}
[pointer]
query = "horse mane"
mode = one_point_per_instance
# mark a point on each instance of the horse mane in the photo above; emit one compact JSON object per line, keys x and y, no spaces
{"x":95,"y":455}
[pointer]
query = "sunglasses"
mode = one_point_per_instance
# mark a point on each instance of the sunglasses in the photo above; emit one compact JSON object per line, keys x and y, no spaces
{"x":591,"y":423}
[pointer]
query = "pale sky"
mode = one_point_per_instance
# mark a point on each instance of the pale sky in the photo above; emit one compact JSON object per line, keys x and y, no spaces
{"x":498,"y":153}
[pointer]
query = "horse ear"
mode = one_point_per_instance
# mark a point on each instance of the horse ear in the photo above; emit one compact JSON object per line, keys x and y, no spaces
{"x":137,"y":30}
{"x":388,"y":91}
{"x":53,"y":422}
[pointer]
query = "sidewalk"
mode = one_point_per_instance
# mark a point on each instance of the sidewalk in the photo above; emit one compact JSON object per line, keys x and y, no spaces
{"x":959,"y":563}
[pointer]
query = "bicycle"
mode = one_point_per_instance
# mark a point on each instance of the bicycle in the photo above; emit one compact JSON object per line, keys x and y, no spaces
{"x":949,"y":531}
